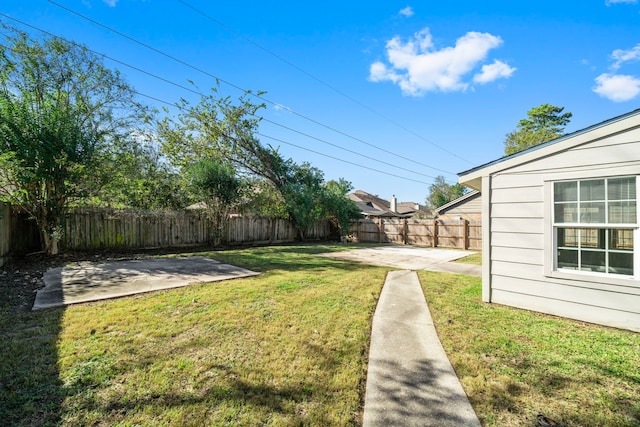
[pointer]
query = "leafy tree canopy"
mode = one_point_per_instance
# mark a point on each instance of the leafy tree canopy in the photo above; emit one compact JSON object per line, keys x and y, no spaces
{"x":543,"y":123}
{"x":219,"y":128}
{"x":61,"y":113}
{"x":216,"y":184}
{"x":441,"y":193}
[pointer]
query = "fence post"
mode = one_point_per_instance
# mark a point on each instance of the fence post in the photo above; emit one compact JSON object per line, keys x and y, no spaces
{"x":435,"y":233}
{"x":465,"y":231}
{"x":405,"y":231}
{"x":380,"y":225}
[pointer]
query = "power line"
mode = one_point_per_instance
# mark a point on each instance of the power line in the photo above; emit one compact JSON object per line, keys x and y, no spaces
{"x":340,"y":160}
{"x":159,"y":100}
{"x":299,"y":146}
{"x":333,"y":88}
{"x":186,"y":88}
{"x":346,"y":149}
{"x":200,"y":70}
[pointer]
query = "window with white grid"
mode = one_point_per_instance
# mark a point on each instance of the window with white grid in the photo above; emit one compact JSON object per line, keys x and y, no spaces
{"x":595,"y":225}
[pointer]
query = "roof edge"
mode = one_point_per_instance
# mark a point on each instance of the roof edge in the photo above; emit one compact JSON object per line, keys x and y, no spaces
{"x":458,"y":200}
{"x":552,"y":142}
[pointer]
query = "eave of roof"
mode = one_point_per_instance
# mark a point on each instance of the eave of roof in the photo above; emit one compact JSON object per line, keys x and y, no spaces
{"x":457,"y":201}
{"x":524,"y":155}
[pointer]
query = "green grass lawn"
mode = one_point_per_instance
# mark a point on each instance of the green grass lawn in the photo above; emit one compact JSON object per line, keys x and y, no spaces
{"x":514,"y":364}
{"x":286,"y":348}
{"x":289,"y":348}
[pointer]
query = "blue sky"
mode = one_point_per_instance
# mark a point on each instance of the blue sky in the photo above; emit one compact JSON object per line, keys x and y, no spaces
{"x":387,"y":95}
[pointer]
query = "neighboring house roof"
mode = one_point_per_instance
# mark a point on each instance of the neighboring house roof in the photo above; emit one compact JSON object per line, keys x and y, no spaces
{"x":473,"y":177}
{"x":371,"y":205}
{"x":368,"y":210}
{"x":373,"y":201}
{"x":457,"y":202}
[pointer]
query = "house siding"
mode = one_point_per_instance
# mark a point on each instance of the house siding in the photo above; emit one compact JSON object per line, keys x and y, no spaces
{"x":520,"y":237}
{"x":470,"y":209}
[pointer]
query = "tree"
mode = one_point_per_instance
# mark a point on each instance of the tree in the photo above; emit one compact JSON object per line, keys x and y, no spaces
{"x":140,"y":178}
{"x":219,"y":128}
{"x":339,"y":208}
{"x":215,"y":183}
{"x":441,"y":193}
{"x":60,"y":109}
{"x":543,"y":124}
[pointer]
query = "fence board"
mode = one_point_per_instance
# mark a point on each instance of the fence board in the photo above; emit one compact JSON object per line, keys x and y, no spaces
{"x":446,"y":234}
{"x":91,"y":228}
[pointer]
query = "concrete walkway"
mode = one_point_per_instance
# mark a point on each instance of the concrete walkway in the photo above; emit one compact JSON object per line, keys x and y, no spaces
{"x":411,"y":258}
{"x":92,"y":282}
{"x":410,"y":381}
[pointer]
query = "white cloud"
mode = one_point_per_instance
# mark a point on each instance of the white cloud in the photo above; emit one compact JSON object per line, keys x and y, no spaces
{"x":610,"y":2}
{"x":418,"y":67}
{"x":621,"y":56}
{"x":495,"y":71}
{"x":617,"y":88}
{"x":407,"y":11}
{"x":111,"y":3}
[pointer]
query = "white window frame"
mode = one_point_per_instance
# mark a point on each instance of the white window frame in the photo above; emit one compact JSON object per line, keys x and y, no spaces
{"x":551,"y":245}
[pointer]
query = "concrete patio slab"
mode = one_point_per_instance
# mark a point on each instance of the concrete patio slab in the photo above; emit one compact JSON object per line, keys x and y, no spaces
{"x":92,"y":282}
{"x":411,"y":258}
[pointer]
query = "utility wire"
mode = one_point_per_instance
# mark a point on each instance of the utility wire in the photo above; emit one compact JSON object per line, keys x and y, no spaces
{"x":200,"y":70}
{"x":186,"y":88}
{"x":340,"y":160}
{"x":333,"y":88}
{"x":161,"y":101}
{"x":299,"y":146}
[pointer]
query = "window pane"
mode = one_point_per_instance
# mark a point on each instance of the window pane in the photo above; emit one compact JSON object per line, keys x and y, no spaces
{"x":595,"y":203}
{"x":621,"y":263}
{"x":622,"y":212}
{"x":592,"y":190}
{"x":592,"y":238}
{"x":566,"y":212}
{"x":622,"y":188}
{"x":592,"y":212}
{"x":568,"y":237}
{"x":592,"y":261}
{"x":565,"y":191}
{"x":621,"y":239}
{"x":568,"y":258}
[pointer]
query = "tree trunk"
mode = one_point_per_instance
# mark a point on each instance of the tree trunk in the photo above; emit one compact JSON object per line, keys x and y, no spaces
{"x":50,"y":236}
{"x":50,"y":242}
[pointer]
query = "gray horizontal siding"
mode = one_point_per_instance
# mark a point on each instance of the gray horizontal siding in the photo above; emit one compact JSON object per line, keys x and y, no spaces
{"x":518,"y":240}
{"x":592,"y":313}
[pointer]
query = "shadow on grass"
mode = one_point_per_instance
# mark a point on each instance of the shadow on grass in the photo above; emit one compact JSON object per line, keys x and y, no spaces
{"x":240,"y":388}
{"x":31,"y":392}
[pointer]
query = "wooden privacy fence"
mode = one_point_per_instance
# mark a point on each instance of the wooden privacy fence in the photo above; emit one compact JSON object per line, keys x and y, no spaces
{"x":103,"y":228}
{"x":93,"y":228}
{"x":461,"y":234}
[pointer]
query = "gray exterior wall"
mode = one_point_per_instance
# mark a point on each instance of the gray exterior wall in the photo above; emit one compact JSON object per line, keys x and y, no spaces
{"x":520,"y":253}
{"x":470,"y":209}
